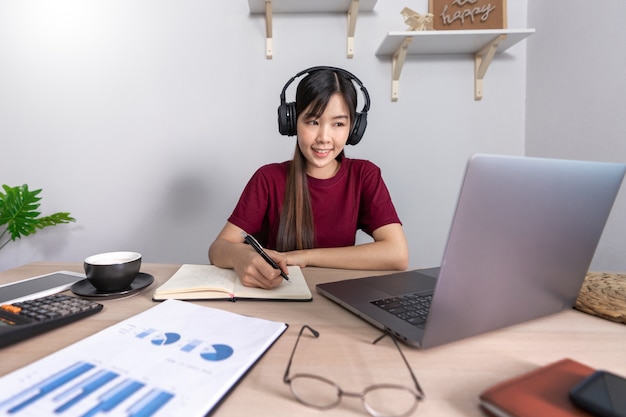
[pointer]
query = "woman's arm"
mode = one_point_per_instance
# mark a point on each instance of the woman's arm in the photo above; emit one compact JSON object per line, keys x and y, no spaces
{"x":229,"y":251}
{"x":388,"y":251}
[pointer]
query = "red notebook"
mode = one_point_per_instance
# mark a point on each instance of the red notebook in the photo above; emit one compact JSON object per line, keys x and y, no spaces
{"x":542,"y":392}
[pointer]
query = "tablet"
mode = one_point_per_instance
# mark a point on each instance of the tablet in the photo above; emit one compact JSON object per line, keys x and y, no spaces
{"x":38,"y":286}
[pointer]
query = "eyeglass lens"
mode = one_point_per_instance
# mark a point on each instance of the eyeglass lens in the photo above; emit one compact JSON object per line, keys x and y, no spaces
{"x":379,"y":400}
{"x":389,"y":401}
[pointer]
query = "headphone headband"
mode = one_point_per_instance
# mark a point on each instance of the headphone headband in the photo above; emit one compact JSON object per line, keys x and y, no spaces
{"x":287,"y":111}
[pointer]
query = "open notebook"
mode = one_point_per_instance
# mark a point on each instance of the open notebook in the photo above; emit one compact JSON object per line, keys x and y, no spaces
{"x":209,"y":282}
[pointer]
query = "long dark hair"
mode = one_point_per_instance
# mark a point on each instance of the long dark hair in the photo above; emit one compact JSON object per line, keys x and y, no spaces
{"x":296,"y":229}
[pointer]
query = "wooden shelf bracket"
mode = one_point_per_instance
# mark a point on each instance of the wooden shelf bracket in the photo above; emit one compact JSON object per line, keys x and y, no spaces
{"x":346,"y":8}
{"x":268,"y":29}
{"x":483,"y":45}
{"x":353,"y":13}
{"x":397,"y":61}
{"x":482,"y":59}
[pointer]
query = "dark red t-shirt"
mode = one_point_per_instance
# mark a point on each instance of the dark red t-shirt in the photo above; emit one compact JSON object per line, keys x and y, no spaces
{"x":355,"y":198}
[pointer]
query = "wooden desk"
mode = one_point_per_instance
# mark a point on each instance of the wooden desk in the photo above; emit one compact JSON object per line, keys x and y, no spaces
{"x":451,"y":375}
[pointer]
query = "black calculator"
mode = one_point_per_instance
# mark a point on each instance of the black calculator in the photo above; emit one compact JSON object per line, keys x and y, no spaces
{"x":24,"y":319}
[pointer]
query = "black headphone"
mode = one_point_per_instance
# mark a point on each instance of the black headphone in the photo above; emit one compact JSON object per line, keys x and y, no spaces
{"x":287,"y":117}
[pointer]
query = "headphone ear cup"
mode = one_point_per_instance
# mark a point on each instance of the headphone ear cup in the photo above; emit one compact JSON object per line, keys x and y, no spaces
{"x":358,"y":129}
{"x":287,"y":119}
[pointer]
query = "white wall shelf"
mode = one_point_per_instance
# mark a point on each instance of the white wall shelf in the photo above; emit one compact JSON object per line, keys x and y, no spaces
{"x":483,"y":44}
{"x":350,"y":7}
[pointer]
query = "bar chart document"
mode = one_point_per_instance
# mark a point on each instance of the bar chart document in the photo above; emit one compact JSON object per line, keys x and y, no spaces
{"x":175,"y":359}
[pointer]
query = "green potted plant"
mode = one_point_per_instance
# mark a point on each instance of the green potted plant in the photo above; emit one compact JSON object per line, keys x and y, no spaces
{"x":19,"y":216}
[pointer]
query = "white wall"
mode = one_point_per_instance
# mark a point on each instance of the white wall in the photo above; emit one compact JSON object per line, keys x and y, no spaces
{"x":577,"y":95}
{"x":145,"y":118}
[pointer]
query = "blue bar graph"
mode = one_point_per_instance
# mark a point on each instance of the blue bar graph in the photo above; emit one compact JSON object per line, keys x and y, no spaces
{"x":150,"y":403}
{"x":83,"y":389}
{"x":114,"y":397}
{"x":96,"y":387}
{"x":37,"y":391}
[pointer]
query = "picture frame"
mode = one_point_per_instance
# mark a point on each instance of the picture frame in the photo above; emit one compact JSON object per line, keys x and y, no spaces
{"x":468,"y":14}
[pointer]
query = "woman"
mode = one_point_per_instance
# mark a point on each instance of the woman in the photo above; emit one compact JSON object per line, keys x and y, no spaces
{"x":307,"y":211}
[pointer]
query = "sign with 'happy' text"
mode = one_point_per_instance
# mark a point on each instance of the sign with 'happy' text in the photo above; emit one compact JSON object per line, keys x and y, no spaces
{"x":468,"y":14}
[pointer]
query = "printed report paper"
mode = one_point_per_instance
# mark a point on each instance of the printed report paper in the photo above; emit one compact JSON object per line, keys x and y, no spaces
{"x":175,"y":359}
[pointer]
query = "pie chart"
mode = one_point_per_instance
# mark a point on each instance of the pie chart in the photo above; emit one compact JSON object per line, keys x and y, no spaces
{"x":216,"y":353}
{"x":165,"y":339}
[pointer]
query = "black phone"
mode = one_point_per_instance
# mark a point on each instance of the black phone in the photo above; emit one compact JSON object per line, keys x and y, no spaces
{"x":602,"y":394}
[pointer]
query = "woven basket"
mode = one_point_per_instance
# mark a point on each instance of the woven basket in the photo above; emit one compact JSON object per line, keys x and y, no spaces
{"x":603,"y":295}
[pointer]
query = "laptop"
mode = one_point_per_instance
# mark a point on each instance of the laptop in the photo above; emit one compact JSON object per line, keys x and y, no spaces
{"x":523,"y":236}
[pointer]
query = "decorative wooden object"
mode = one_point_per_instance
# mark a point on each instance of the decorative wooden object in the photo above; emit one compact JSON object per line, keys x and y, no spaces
{"x":604,"y":295}
{"x":468,"y":14}
{"x":417,"y":21}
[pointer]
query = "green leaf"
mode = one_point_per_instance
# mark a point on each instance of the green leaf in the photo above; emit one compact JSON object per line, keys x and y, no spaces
{"x":54,"y":219}
{"x":19,"y":212}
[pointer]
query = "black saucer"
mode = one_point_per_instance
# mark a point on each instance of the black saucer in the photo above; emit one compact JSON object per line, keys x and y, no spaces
{"x":85,"y":289}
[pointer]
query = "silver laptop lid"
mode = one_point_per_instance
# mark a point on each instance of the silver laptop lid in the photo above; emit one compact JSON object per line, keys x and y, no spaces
{"x":521,"y":242}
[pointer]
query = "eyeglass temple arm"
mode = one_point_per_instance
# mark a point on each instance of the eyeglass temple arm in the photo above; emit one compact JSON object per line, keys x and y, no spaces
{"x":314,"y":332}
{"x":413,"y":377}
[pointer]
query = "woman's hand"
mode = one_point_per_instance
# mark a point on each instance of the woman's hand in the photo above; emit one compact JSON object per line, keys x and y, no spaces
{"x":229,"y":251}
{"x":254,"y":271}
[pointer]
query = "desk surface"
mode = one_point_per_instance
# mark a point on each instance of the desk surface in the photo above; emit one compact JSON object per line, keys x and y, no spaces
{"x":452,"y":375}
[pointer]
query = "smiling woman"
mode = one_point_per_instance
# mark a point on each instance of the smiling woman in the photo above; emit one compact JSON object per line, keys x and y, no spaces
{"x":322,"y":138}
{"x":307,"y":211}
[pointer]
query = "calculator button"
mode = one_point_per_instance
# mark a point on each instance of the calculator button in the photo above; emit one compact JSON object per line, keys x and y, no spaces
{"x":11,"y":308}
{"x":29,"y":318}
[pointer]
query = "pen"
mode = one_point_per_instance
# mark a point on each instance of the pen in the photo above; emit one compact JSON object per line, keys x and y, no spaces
{"x":257,"y":247}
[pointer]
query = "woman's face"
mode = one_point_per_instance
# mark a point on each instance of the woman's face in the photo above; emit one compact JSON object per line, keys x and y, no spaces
{"x":322,"y":139}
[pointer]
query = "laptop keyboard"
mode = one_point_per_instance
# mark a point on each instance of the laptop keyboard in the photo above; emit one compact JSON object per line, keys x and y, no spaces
{"x":412,"y":308}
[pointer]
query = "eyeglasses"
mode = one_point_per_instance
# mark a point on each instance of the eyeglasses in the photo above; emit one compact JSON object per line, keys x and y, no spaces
{"x":379,"y":400}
